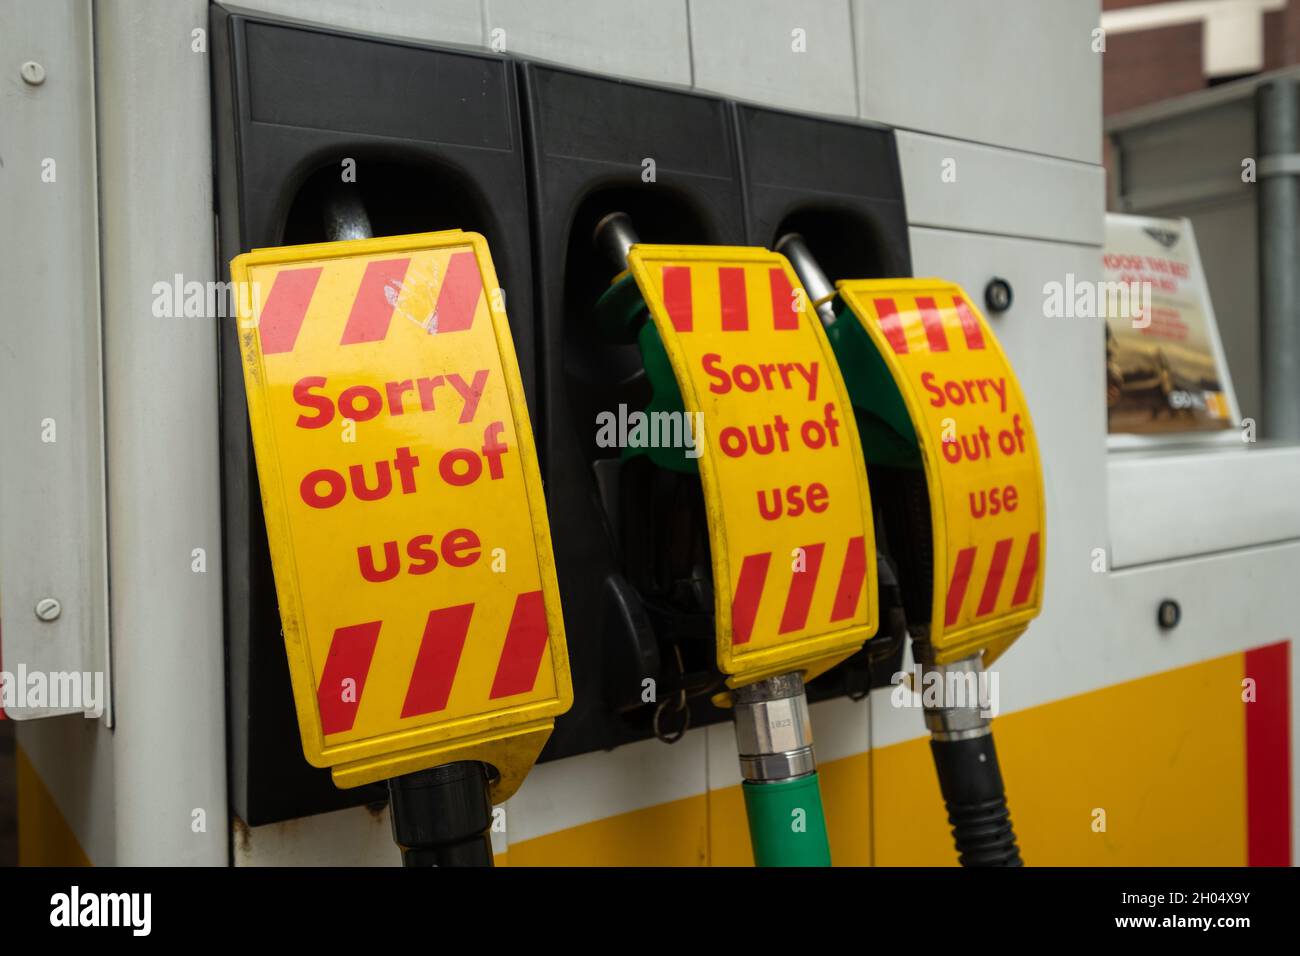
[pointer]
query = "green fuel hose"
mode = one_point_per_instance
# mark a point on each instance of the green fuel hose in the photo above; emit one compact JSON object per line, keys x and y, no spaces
{"x":786,"y":824}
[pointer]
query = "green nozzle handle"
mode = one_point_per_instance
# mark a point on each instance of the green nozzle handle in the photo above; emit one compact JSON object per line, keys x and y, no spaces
{"x":786,"y":824}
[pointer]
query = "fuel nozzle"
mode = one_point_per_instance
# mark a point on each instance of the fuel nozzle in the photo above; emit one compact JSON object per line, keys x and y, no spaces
{"x":614,"y":237}
{"x":961,"y":734}
{"x":662,"y":596}
{"x":344,"y":215}
{"x":773,"y":732}
{"x":820,"y":289}
{"x":621,"y":309}
{"x":440,"y":816}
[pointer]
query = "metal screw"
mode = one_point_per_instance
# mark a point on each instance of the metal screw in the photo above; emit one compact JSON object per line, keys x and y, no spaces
{"x":33,"y":73}
{"x":48,"y":609}
{"x":1169,"y":614}
{"x":997,"y":295}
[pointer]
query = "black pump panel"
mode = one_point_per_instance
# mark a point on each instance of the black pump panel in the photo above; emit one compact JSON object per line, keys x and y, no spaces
{"x":838,"y":184}
{"x":668,"y":160}
{"x":436,"y":141}
{"x":532,"y":157}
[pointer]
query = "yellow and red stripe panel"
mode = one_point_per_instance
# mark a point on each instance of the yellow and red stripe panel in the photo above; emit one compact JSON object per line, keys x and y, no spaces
{"x":980,"y":455}
{"x":403,"y":504}
{"x":1266,"y":693}
{"x":1206,"y":783}
{"x":784,"y":481}
{"x":1185,"y":767}
{"x":442,"y":643}
{"x":796,"y":594}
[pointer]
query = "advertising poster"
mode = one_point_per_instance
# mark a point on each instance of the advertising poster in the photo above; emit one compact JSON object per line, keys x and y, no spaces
{"x":1165,"y":370}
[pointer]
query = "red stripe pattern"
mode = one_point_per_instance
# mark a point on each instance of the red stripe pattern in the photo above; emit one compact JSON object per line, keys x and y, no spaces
{"x":895,"y":324}
{"x":371,"y":314}
{"x":1028,"y":573}
{"x":802,"y":584}
{"x":891,"y":325}
{"x":437,"y":660}
{"x":933,"y":323}
{"x":677,"y":297}
{"x":1268,"y":756}
{"x":993,"y":583}
{"x":731,"y":293}
{"x":459,"y":296}
{"x":785,"y":316}
{"x":285,"y":309}
{"x":749,"y":590}
{"x":970,"y":325}
{"x":849,"y":591}
{"x":372,"y":309}
{"x":992,"y":587}
{"x":521,"y":658}
{"x":344,"y":678}
{"x":733,"y":299}
{"x":957,"y":586}
{"x":748,"y":594}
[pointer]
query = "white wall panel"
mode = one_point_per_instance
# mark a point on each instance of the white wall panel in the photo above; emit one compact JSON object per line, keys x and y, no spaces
{"x":1015,"y":73}
{"x":796,"y":54}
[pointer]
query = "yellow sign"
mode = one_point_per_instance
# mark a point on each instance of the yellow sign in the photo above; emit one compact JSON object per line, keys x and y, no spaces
{"x":785,"y":487}
{"x":403,"y":506}
{"x":981,"y":459}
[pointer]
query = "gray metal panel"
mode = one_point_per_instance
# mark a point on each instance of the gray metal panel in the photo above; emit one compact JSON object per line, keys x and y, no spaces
{"x":1014,"y":73}
{"x":624,"y":38}
{"x":160,"y":377}
{"x":1186,"y":159}
{"x":450,"y":21}
{"x":1188,"y":502}
{"x":751,"y":50}
{"x":52,"y":537}
{"x":951,"y":184}
{"x":1196,"y":102}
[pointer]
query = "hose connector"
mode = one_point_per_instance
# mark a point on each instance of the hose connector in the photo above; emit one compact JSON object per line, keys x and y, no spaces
{"x":962,"y":711}
{"x":773,"y":730}
{"x":787,"y":825}
{"x":966,"y":761}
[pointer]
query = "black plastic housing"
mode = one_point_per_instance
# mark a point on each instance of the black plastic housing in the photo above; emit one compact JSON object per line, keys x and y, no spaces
{"x":436,"y":139}
{"x":667,"y":159}
{"x":531,"y":156}
{"x":839,"y":186}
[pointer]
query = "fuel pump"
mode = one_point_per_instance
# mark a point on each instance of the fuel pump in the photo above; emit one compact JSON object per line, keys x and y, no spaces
{"x":417,"y":657}
{"x":933,"y":395}
{"x":440,"y":816}
{"x":693,"y":310}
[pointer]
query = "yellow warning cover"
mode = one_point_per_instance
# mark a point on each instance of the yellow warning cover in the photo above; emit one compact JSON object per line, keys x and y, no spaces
{"x":403,"y":505}
{"x":981,"y":459}
{"x":785,"y":486}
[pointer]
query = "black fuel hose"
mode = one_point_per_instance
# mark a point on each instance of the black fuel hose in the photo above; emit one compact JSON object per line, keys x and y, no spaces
{"x":442,"y":816}
{"x":973,"y":792}
{"x":965,"y":758}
